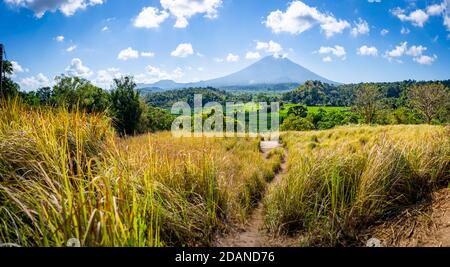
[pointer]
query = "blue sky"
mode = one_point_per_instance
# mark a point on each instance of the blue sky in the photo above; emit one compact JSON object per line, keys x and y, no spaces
{"x":191,"y":40}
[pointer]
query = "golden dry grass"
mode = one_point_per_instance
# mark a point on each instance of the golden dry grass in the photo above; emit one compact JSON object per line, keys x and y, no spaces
{"x":66,"y":175}
{"x":341,"y":180}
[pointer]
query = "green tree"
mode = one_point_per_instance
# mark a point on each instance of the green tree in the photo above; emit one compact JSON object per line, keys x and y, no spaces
{"x":125,"y":107}
{"x":430,"y":100}
{"x":9,"y":87}
{"x":367,"y":102}
{"x":75,"y":92}
{"x":298,"y":110}
{"x":45,"y":95}
{"x":295,"y":123}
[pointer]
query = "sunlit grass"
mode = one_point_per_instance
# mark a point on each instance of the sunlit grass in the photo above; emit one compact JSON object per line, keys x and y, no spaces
{"x":66,"y":175}
{"x":341,"y":180}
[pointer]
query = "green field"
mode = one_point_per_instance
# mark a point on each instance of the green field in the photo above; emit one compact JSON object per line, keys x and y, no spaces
{"x":311,"y":109}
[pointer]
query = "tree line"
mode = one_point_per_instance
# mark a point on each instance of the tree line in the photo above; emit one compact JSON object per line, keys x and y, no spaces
{"x":129,"y":111}
{"x":406,"y":102}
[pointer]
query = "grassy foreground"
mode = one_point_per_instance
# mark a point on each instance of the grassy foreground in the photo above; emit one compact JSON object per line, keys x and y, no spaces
{"x":341,"y":180}
{"x":66,"y":175}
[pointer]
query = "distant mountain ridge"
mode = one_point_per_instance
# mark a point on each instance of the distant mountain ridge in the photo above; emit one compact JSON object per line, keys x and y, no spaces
{"x":267,"y":71}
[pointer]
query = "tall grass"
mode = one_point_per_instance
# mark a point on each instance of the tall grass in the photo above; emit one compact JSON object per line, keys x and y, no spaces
{"x":66,"y":175}
{"x":341,"y":180}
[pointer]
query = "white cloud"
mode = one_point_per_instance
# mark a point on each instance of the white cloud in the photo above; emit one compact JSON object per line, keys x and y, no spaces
{"x":200,"y":69}
{"x":232,"y":58}
{"x":59,"y":38}
{"x":17,"y":67}
{"x":252,"y":55}
{"x":104,"y":29}
{"x":35,"y":82}
{"x":374,"y":1}
{"x":105,"y":77}
{"x":183,"y":10}
{"x":337,"y":51}
{"x":361,"y":27}
{"x":404,"y":31}
{"x":384,"y":32}
{"x":218,"y":60}
{"x":327,"y":59}
{"x":367,"y":51}
{"x":154,"y":74}
{"x":270,"y":47}
{"x":300,"y":17}
{"x":417,"y":17}
{"x":425,"y":60}
{"x":416,"y":52}
{"x":183,"y":50}
{"x":447,"y":22}
{"x":150,"y":17}
{"x":436,"y":9}
{"x":71,"y":48}
{"x":67,"y":7}
{"x":147,"y":54}
{"x":127,"y":54}
{"x":76,"y":68}
{"x":398,"y":51}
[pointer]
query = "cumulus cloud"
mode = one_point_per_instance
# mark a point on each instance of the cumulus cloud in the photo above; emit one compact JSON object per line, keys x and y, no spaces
{"x":419,"y":17}
{"x":71,"y":48}
{"x":104,"y":29}
{"x":436,"y":9}
{"x":300,"y":17}
{"x":425,"y":60}
{"x":183,"y":50}
{"x":150,"y":17}
{"x":415,"y":51}
{"x":398,"y":51}
{"x":384,"y":32}
{"x":252,"y":55}
{"x":367,"y":51}
{"x":17,"y":67}
{"x":76,"y":68}
{"x":337,"y":51}
{"x":183,"y":10}
{"x":67,"y":7}
{"x":269,"y":47}
{"x":232,"y":58}
{"x":35,"y":82}
{"x":361,"y":27}
{"x":127,"y":54}
{"x":59,"y":38}
{"x":154,"y":74}
{"x":105,"y":77}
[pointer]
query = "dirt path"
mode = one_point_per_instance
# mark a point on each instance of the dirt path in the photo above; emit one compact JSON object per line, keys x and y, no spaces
{"x":253,"y":234}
